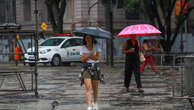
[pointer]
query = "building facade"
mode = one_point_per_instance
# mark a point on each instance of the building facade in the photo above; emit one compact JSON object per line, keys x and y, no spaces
{"x":76,"y":15}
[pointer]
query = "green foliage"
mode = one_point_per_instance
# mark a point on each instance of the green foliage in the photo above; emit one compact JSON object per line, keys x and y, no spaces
{"x":108,"y":3}
{"x":131,"y":5}
{"x":50,"y":2}
{"x":132,"y":8}
{"x":160,"y":13}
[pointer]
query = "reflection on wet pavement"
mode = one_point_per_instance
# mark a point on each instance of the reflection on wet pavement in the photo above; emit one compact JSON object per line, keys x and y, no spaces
{"x":61,"y":84}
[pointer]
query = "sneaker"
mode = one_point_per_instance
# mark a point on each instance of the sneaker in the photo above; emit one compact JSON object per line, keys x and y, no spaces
{"x":141,"y":90}
{"x":158,"y":74}
{"x":89,"y":108}
{"x":95,"y":106}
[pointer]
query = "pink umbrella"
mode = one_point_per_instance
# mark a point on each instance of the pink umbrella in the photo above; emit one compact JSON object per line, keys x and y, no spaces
{"x":139,"y":30}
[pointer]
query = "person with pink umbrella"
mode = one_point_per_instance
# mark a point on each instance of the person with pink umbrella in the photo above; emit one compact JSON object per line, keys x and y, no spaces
{"x":132,"y":50}
{"x":132,"y":63}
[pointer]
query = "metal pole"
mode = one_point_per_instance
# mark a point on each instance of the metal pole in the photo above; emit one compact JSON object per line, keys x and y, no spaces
{"x":190,"y":100}
{"x":89,"y":22}
{"x":181,"y":40}
{"x":11,"y":46}
{"x":185,"y":25}
{"x":182,"y":46}
{"x":36,"y":49}
{"x":9,"y":11}
{"x":182,"y":78}
{"x":73,"y":14}
{"x":111,"y":30}
{"x":111,"y":49}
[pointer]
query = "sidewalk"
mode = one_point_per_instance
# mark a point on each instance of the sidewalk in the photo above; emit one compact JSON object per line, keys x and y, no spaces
{"x":61,"y":84}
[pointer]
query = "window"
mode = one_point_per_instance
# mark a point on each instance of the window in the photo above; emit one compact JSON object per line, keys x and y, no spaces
{"x":66,"y":44}
{"x":52,"y":42}
{"x":72,"y":42}
{"x":27,"y":10}
{"x":78,"y":42}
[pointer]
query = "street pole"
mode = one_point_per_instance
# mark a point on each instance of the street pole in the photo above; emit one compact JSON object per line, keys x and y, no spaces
{"x":8,"y":20}
{"x":181,"y":45}
{"x":89,"y":9}
{"x":73,"y":14}
{"x":185,"y":22}
{"x":9,"y":11}
{"x":36,"y":49}
{"x":111,"y":30}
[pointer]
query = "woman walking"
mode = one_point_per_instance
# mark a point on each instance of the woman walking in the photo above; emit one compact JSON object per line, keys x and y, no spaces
{"x":90,"y":55}
{"x":147,"y":50}
{"x":132,"y":63}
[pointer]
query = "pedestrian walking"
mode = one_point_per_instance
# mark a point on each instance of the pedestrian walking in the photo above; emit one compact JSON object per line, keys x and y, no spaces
{"x":90,"y":55}
{"x":148,"y":48}
{"x":132,"y":63}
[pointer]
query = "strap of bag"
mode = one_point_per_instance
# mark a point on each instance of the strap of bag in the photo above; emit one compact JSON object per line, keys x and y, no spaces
{"x":139,"y":45}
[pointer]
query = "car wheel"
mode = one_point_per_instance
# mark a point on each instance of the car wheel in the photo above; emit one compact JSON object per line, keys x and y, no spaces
{"x":32,"y":64}
{"x":56,"y":61}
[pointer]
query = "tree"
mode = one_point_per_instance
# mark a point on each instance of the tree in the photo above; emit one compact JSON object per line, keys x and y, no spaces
{"x":131,"y":8}
{"x":56,"y":11}
{"x":109,"y":4}
{"x":160,"y":13}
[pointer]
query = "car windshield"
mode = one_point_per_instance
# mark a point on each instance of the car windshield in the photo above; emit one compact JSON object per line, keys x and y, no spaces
{"x":52,"y":42}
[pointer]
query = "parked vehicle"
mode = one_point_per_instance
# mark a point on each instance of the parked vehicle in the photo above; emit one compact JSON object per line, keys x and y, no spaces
{"x":56,"y":50}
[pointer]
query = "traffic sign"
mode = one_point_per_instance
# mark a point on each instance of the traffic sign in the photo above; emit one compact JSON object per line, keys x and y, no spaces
{"x":17,"y":37}
{"x":44,"y":26}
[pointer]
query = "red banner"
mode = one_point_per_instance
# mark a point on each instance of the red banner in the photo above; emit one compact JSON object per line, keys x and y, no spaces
{"x":181,"y":4}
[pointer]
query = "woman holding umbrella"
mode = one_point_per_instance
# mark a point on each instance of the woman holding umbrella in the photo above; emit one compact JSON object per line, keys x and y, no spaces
{"x":132,"y":63}
{"x":90,"y":55}
{"x":131,"y":50}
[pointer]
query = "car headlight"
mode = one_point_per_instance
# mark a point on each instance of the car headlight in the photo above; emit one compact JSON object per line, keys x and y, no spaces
{"x":45,"y":51}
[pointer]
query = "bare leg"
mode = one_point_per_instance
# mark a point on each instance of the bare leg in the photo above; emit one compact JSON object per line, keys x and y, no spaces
{"x":88,"y":86}
{"x":95,"y":90}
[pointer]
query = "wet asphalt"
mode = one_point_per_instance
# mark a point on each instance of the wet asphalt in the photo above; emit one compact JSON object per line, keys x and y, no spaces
{"x":59,"y":89}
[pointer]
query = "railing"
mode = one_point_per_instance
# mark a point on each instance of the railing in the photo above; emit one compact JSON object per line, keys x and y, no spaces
{"x":9,"y":70}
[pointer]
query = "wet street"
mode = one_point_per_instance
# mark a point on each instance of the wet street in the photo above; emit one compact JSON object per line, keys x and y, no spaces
{"x":61,"y":84}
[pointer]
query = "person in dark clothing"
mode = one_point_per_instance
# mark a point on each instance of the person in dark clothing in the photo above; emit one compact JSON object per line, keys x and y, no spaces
{"x":132,"y":63}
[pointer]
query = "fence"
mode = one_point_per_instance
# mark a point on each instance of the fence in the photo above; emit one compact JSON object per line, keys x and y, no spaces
{"x":182,"y":83}
{"x":12,"y":67}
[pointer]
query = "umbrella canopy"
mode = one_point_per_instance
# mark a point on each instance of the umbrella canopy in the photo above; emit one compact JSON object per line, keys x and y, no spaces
{"x":139,"y":30}
{"x":94,"y":31}
{"x":144,"y":37}
{"x":151,"y":37}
